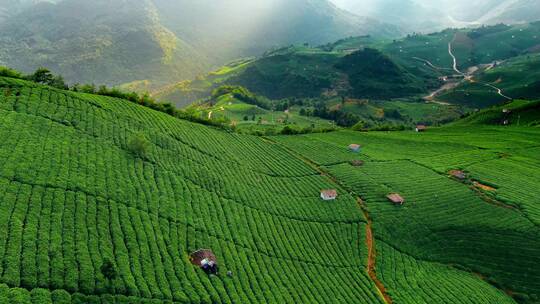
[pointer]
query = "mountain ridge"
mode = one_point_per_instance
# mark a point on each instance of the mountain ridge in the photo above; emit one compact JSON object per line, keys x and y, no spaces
{"x":116,"y":42}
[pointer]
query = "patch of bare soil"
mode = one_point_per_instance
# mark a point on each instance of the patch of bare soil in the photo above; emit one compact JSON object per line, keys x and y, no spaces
{"x":484,"y":187}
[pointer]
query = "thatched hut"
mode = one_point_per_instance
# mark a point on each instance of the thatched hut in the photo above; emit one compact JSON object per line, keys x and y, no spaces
{"x":421,"y":128}
{"x":458,"y":174}
{"x":355,"y":148}
{"x":329,"y":195}
{"x":395,"y":198}
{"x":205,"y":259}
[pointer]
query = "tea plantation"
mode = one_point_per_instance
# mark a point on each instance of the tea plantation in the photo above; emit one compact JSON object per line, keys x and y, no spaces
{"x":74,"y":195}
{"x":103,"y":200}
{"x":447,"y":229}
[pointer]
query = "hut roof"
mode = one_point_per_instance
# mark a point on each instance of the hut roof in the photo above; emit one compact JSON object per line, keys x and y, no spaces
{"x":395,"y":198}
{"x":458,"y":174}
{"x":329,"y":194}
{"x":421,"y":127}
{"x":200,"y":255}
{"x":354,"y":146}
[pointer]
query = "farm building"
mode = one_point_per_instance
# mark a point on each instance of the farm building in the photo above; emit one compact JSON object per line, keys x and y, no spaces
{"x":355,"y":148}
{"x":205,"y":259}
{"x":329,"y":195}
{"x":395,"y":198}
{"x":421,"y":128}
{"x":458,"y":174}
{"x":357,"y":163}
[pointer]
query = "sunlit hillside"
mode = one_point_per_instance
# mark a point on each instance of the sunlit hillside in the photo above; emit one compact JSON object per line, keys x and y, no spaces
{"x":269,"y":152}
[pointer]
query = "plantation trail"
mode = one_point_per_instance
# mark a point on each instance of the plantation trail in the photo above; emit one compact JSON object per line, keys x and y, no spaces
{"x":370,"y":240}
{"x":481,"y":190}
{"x":372,"y":254}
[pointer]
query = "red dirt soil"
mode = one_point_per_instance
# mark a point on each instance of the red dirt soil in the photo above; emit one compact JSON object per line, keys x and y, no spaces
{"x":370,"y":240}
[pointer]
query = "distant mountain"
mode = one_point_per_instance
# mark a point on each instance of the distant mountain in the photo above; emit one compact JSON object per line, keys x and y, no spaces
{"x":433,"y":15}
{"x":234,"y":28}
{"x":514,"y":12}
{"x":487,"y":11}
{"x":518,"y":78}
{"x":306,"y":72}
{"x":408,"y":15}
{"x":101,"y":41}
{"x":129,"y":41}
{"x":12,"y":7}
{"x":364,"y":67}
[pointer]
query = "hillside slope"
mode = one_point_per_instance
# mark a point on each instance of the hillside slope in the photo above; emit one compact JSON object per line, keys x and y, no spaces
{"x":85,"y":198}
{"x":515,"y":113}
{"x":77,"y":194}
{"x":221,"y":30}
{"x":487,"y":224}
{"x":409,"y":15}
{"x":486,"y":12}
{"x":367,"y":67}
{"x":305,"y":72}
{"x":101,"y":42}
{"x":518,"y":77}
{"x":117,"y":41}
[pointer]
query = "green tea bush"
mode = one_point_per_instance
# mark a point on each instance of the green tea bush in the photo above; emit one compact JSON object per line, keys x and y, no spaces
{"x":139,"y":145}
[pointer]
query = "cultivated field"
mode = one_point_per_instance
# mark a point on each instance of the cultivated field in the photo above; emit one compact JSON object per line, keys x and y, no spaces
{"x":76,"y":193}
{"x":447,"y":228}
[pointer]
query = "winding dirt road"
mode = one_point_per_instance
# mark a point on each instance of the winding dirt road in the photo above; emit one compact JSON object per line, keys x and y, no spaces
{"x":455,"y":63}
{"x":430,"y":64}
{"x":466,"y":76}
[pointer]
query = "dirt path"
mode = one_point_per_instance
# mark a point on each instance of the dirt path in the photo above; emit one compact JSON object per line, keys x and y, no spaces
{"x":454,"y":59}
{"x":499,"y":91}
{"x":431,"y":64}
{"x":372,"y":256}
{"x":447,"y":86}
{"x":480,"y":191}
{"x":469,"y":76}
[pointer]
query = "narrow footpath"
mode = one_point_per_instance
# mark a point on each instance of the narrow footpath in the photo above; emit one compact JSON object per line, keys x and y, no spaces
{"x":372,"y":255}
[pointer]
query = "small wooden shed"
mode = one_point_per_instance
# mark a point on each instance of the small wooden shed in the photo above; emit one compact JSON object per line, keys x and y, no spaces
{"x":396,"y":198}
{"x":355,"y":148}
{"x":458,"y":174}
{"x":421,"y":128}
{"x":329,"y":195}
{"x":205,"y":259}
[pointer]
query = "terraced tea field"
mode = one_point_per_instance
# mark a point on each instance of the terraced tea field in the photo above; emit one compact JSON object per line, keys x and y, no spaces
{"x":446,"y":228}
{"x":73,"y":196}
{"x":77,"y":197}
